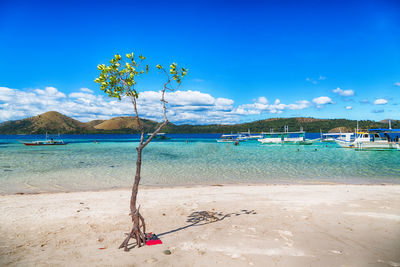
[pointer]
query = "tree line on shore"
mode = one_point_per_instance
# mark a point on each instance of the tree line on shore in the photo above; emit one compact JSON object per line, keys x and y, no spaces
{"x":58,"y":123}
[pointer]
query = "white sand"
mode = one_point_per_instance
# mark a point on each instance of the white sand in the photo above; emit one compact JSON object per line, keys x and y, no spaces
{"x":269,"y":225}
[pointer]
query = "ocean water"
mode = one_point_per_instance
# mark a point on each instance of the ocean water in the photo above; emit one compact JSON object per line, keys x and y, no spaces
{"x":185,"y":159}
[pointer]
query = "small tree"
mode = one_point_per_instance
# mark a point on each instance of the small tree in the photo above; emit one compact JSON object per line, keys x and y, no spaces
{"x":118,"y":80}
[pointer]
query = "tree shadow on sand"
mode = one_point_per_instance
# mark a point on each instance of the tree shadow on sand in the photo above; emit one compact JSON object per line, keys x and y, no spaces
{"x":199,"y":218}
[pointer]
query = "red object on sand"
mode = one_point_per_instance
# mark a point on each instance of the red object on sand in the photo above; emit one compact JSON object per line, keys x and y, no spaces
{"x":153,"y":242}
{"x":152,"y":239}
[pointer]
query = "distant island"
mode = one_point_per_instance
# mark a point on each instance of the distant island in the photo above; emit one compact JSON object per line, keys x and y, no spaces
{"x":54,"y":122}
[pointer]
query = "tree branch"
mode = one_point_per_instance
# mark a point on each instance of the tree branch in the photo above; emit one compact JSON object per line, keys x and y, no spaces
{"x":140,"y":125}
{"x":165,"y":117}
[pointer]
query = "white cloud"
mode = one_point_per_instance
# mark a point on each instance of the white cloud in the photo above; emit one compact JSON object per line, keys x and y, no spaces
{"x":184,"y":98}
{"x":343,"y":92}
{"x":262,"y":106}
{"x":50,"y":92}
{"x":349,"y":107}
{"x":315,"y":80}
{"x":397,"y":84}
{"x":184,"y":106}
{"x":380,"y":101}
{"x":263,"y":100}
{"x":86,"y":90}
{"x":301,"y":104}
{"x":192,"y":107}
{"x":322,"y":100}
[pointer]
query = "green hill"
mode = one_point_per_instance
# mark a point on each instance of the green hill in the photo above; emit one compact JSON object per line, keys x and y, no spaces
{"x":54,"y":122}
{"x":277,"y":124}
{"x":51,"y":121}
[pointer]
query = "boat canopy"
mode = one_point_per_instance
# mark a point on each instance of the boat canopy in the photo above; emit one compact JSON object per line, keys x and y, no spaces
{"x":299,"y":132}
{"x":333,"y":134}
{"x":384,"y":130}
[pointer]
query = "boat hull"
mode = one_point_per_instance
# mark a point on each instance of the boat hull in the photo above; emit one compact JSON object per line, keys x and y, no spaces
{"x":226,"y":141}
{"x":287,"y":142}
{"x":270,"y":141}
{"x":33,"y":144}
{"x":369,"y":145}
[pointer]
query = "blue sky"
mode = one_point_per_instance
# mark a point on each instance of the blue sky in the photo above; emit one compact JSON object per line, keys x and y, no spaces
{"x":247,"y":60}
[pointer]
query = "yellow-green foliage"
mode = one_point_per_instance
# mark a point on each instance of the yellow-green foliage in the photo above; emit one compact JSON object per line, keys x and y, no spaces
{"x":119,"y":78}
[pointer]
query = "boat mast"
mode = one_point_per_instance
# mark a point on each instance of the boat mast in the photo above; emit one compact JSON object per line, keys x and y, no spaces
{"x":286,"y":128}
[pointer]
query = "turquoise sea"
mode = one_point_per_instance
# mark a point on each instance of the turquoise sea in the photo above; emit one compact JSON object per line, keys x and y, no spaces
{"x":185,"y":159}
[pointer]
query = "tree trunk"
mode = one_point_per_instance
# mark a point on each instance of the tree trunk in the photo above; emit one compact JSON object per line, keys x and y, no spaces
{"x":138,"y":231}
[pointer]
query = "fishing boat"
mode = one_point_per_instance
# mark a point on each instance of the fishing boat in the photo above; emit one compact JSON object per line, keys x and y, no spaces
{"x":373,"y":139}
{"x":226,"y":138}
{"x":285,"y":137}
{"x":49,"y":141}
{"x":332,"y":137}
{"x":249,"y":136}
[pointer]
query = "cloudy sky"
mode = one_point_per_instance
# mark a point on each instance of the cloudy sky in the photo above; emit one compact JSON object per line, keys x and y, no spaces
{"x":247,"y":60}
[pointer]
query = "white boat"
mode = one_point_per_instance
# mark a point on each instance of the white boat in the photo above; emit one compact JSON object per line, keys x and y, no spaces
{"x":249,"y":136}
{"x":285,"y":137}
{"x":272,"y":138}
{"x":226,"y":138}
{"x":372,"y":139}
{"x":332,"y":137}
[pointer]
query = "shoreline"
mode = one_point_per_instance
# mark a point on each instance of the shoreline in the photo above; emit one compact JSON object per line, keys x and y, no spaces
{"x":261,"y":225}
{"x":199,"y":185}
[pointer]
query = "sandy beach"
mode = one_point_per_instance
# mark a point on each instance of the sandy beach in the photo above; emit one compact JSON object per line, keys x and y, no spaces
{"x":235,"y":225}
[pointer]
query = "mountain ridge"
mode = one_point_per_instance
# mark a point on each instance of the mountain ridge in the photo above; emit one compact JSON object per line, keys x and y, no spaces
{"x":56,"y":122}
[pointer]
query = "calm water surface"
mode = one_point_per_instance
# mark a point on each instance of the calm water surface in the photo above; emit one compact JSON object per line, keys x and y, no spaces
{"x":84,"y":165}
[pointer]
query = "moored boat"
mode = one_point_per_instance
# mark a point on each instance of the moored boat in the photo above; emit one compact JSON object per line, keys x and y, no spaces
{"x":231,"y":138}
{"x":251,"y":136}
{"x":49,"y":141}
{"x":332,"y":137}
{"x":373,"y":139}
{"x":286,"y":137}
